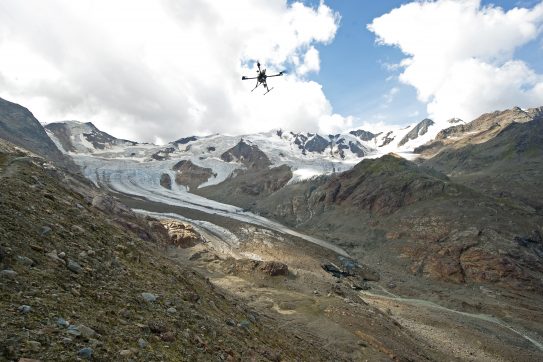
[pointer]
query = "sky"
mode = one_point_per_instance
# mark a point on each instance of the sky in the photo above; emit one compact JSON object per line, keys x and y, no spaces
{"x":155,"y":71}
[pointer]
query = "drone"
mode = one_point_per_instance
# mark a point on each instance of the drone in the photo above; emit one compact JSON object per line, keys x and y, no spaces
{"x":261,"y":78}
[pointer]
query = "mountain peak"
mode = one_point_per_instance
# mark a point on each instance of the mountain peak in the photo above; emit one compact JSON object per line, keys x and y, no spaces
{"x":248,"y":154}
{"x":83,"y":137}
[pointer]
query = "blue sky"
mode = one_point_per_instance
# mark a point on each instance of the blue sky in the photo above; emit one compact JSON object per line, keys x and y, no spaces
{"x":155,"y":71}
{"x":352,"y":70}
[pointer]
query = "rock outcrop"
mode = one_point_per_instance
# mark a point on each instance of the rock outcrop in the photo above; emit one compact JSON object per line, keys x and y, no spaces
{"x":420,"y":129}
{"x":191,"y":175}
{"x":181,"y":234}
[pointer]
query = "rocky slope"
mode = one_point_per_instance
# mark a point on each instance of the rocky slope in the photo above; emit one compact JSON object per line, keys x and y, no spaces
{"x":84,"y":277}
{"x":245,"y":187}
{"x":480,"y":130}
{"x":248,"y":155}
{"x":191,"y":175}
{"x":447,"y":231}
{"x":508,"y":166}
{"x":19,"y":126}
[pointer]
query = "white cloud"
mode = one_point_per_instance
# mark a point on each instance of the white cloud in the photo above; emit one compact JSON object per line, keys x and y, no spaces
{"x":461,"y":55}
{"x":389,"y":96}
{"x":311,"y":62}
{"x":151,"y":70}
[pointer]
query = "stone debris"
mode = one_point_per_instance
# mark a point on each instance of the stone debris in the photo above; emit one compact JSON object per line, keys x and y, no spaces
{"x":8,"y":274}
{"x":85,"y":353}
{"x":74,"y":267}
{"x":149,"y":297}
{"x":24,"y":309}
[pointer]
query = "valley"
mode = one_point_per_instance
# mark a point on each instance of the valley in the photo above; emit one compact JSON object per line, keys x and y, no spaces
{"x":276,"y":246}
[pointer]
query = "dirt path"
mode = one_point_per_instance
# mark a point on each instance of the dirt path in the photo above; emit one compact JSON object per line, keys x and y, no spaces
{"x":464,"y":335}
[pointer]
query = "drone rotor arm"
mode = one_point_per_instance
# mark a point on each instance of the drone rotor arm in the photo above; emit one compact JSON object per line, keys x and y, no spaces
{"x":277,"y":75}
{"x":245,"y":78}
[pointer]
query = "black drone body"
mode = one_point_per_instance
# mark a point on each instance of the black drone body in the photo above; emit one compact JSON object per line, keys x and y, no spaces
{"x":261,"y":78}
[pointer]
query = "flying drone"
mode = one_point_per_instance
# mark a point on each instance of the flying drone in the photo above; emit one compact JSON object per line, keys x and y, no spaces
{"x":261,"y":78}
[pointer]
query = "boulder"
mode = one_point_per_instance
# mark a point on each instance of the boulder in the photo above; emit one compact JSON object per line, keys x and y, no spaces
{"x":181,"y":234}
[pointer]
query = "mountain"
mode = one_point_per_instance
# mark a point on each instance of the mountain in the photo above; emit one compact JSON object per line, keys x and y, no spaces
{"x":248,"y":155}
{"x":306,"y":154}
{"x":505,"y":161}
{"x":419,"y":130}
{"x":480,"y":130}
{"x":19,"y":126}
{"x":448,"y":231}
{"x":80,"y":137}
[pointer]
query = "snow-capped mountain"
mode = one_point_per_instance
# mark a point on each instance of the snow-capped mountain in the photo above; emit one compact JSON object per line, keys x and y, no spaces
{"x":307,"y":154}
{"x":78,"y":137}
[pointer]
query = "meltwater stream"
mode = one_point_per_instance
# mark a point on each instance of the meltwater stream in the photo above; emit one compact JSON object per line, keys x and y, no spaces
{"x":142,"y":179}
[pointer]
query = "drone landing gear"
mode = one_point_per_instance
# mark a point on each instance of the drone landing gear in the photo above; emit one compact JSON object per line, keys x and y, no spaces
{"x":269,"y":90}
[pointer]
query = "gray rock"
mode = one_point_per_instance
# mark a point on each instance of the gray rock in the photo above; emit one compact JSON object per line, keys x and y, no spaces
{"x":61,"y":322}
{"x":66,"y":340}
{"x":95,"y":343}
{"x":86,"y":332}
{"x":53,"y":255}
{"x":25,"y":260}
{"x":74,"y":331}
{"x":74,"y":267}
{"x":24,"y":309}
{"x":85,"y":353}
{"x":142,"y":343}
{"x":125,"y":353}
{"x":8,"y":274}
{"x":171,"y":310}
{"x":149,"y":297}
{"x":62,"y":255}
{"x":45,"y":230}
{"x":231,"y":322}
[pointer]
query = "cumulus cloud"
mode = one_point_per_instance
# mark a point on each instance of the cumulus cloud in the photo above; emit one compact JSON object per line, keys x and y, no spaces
{"x":461,"y":55}
{"x":157,"y":70}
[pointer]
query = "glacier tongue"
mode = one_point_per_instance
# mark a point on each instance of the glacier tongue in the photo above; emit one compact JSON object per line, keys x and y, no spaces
{"x":142,"y":179}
